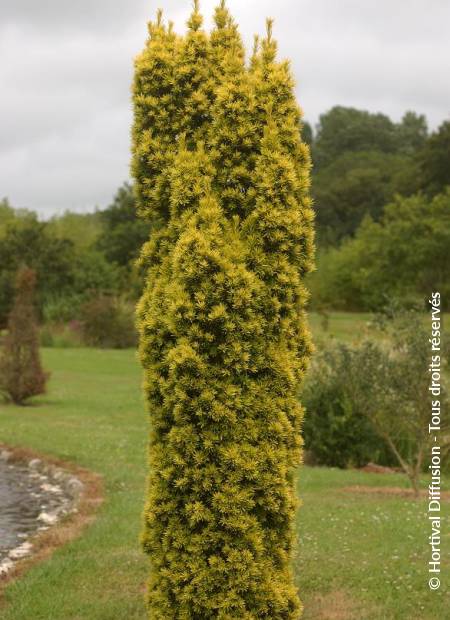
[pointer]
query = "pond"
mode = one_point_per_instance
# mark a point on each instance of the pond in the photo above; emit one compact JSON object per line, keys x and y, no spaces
{"x":30,"y":500}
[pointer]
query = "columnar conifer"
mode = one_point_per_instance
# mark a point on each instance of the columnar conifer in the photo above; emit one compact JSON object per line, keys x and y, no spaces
{"x":21,"y":373}
{"x":224,"y":341}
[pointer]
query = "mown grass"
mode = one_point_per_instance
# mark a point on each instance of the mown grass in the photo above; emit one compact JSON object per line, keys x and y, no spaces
{"x":92,"y":415}
{"x":373,"y":549}
{"x":343,"y":326}
{"x":361,"y":557}
{"x":355,"y":326}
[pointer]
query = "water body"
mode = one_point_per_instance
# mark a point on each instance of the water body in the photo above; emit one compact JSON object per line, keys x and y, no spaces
{"x":22,"y":500}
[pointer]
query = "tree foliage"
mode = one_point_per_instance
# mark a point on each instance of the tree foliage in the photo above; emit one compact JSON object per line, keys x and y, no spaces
{"x":412,"y":133}
{"x":343,"y":129}
{"x":122,"y":233}
{"x":25,"y":241}
{"x":361,"y":160}
{"x":223,"y":177}
{"x":376,"y":392}
{"x":66,"y":274}
{"x":391,"y":388}
{"x":108,"y":322}
{"x":354,"y":186}
{"x":434,"y":162}
{"x":406,"y":254}
{"x":81,"y":229}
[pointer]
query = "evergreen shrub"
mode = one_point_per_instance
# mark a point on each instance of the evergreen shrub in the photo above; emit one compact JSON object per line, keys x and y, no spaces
{"x":21,"y":372}
{"x":223,"y":176}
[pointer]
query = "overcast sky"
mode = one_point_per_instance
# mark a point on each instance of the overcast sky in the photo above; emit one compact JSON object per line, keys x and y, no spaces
{"x":66,"y":70}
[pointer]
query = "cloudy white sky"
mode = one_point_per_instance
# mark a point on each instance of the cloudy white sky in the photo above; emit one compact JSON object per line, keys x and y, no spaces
{"x":66,"y":70}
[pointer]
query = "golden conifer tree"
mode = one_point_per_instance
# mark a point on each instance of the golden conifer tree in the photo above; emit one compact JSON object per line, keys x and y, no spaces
{"x":219,"y":163}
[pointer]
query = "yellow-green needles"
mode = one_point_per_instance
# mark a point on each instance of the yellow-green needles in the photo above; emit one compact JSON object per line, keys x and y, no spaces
{"x":222,"y":173}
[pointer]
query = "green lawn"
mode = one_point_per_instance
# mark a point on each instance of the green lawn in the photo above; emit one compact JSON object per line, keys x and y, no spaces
{"x":344,"y":326}
{"x":352,"y":326}
{"x":360,"y":556}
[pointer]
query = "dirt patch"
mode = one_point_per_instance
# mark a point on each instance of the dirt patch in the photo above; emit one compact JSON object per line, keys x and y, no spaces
{"x":334,"y":605}
{"x":373,"y":468}
{"x":46,"y":542}
{"x":390,"y":491}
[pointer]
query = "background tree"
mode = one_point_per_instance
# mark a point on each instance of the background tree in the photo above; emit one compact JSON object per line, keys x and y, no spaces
{"x":67,"y":272}
{"x":361,"y":161}
{"x":6,"y":214}
{"x":343,"y":129}
{"x":123,"y":232}
{"x":21,"y":373}
{"x":412,"y":133}
{"x":107,"y":322}
{"x":434,"y":161}
{"x":406,"y":254}
{"x":27,"y":241}
{"x":307,"y":133}
{"x":82,"y":229}
{"x":377,"y":391}
{"x":353,"y":186}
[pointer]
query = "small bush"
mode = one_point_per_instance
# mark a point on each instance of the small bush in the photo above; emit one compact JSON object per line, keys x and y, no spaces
{"x":108,"y":322}
{"x":61,"y":310}
{"x":61,"y":336}
{"x":377,"y":389}
{"x":336,"y":433}
{"x":21,"y":373}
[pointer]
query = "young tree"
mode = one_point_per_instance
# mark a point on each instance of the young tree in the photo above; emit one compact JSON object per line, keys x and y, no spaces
{"x":21,"y":373}
{"x":224,"y":341}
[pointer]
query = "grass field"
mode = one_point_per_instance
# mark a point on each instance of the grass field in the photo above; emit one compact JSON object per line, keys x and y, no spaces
{"x":361,"y":556}
{"x":353,"y":326}
{"x":341,"y":325}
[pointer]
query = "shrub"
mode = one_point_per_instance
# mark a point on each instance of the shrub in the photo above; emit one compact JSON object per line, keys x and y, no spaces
{"x":336,"y":433}
{"x":108,"y":322}
{"x":61,"y":335}
{"x":21,"y":373}
{"x":386,"y":383}
{"x":62,"y":309}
